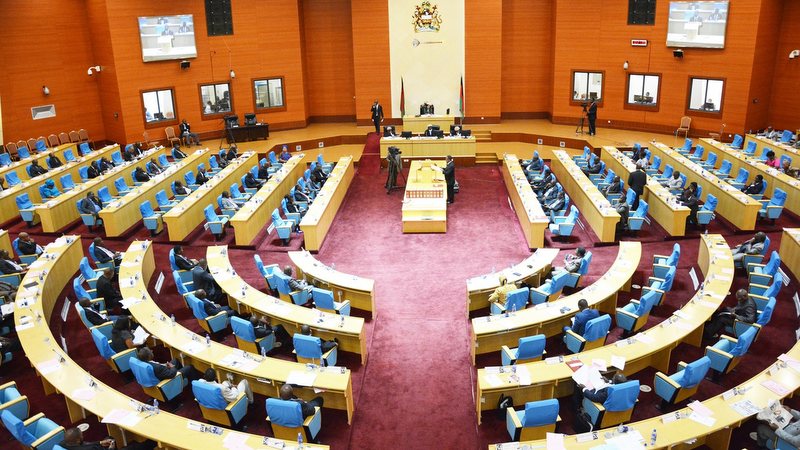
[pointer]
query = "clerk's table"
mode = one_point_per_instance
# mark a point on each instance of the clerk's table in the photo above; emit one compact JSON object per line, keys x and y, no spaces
{"x":425,"y":202}
{"x":418,"y":124}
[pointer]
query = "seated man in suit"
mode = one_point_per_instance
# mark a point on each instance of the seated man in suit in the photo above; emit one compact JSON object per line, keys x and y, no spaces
{"x":27,"y":246}
{"x":226,"y":202}
{"x":201,"y":178}
{"x":91,"y":205}
{"x":168,"y":370}
{"x":688,"y":198}
{"x":755,"y":187}
{"x":202,"y":279}
{"x":177,"y":152}
{"x":181,"y":260}
{"x":430,"y":131}
{"x":572,"y":261}
{"x":107,"y":290}
{"x":752,"y":246}
{"x":232,"y":153}
{"x":105,"y":165}
{"x":584,"y":315}
{"x":263,"y":328}
{"x":186,"y":133}
{"x":293,"y":207}
{"x":93,"y":171}
{"x":53,"y":161}
{"x":388,"y":131}
{"x":298,"y":285}
{"x":229,"y":391}
{"x":263,"y":171}
{"x":180,"y":189}
{"x":140,"y":175}
{"x":745,"y":311}
{"x":8,"y":265}
{"x":252,"y":182}
{"x":501,"y":292}
{"x":300,"y":195}
{"x":36,"y":169}
{"x":593,"y":169}
{"x":556,"y":204}
{"x":154,"y":168}
{"x":308,"y":408}
{"x":326,"y":345}
{"x":613,"y":187}
{"x":597,"y":395}
{"x":73,"y":440}
{"x":94,"y":317}
{"x":103,"y":255}
{"x":318,"y":176}
{"x":211,"y":308}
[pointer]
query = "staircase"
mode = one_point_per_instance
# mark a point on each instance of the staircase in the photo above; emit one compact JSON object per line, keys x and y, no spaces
{"x":482,"y":136}
{"x":486,"y":156}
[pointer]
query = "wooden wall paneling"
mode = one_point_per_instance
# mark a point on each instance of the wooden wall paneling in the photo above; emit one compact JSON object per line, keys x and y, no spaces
{"x":483,"y":54}
{"x":785,"y":98}
{"x":769,"y":22}
{"x":370,"y":25}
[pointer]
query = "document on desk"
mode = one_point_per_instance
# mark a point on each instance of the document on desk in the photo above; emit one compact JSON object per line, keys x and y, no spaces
{"x":302,"y":378}
{"x":746,"y":408}
{"x":139,"y":335}
{"x":775,"y":387}
{"x":85,"y":394}
{"x":126,"y":303}
{"x":122,"y":417}
{"x":555,"y":441}
{"x":493,"y":380}
{"x":631,"y":440}
{"x":194,"y":348}
{"x":49,"y":366}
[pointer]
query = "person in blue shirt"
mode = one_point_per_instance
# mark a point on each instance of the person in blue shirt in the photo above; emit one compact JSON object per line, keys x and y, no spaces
{"x":584,"y":315}
{"x":285,"y":155}
{"x":49,"y":190}
{"x":535,"y":165}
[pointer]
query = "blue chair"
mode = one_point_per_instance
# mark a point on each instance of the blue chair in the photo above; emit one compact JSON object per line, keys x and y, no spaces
{"x":89,"y":274}
{"x":212,"y":324}
{"x":617,"y":408}
{"x":750,"y":150}
{"x":516,"y":300}
{"x":710,"y":162}
{"x":787,"y":136}
{"x":246,"y":337}
{"x":534,"y":422}
{"x":287,"y":422}
{"x":23,"y":152}
{"x":83,"y":172}
{"x":84,"y":148}
{"x":530,"y":348}
{"x":41,"y":145}
{"x":11,"y":400}
{"x":706,"y":212}
{"x":326,"y":166}
{"x":550,"y":289}
{"x":661,"y":263}
{"x":216,"y":224}
{"x":760,"y":194}
{"x":727,"y":352}
{"x":683,"y":384}
{"x":655,"y":166}
{"x":27,"y":209}
{"x":116,"y":158}
{"x":268,"y":272}
{"x":724,"y":170}
{"x":37,"y":432}
{"x":564,"y":225}
{"x":247,"y":190}
{"x":574,"y":278}
{"x":678,"y":190}
{"x":300,"y":297}
{"x":785,"y":158}
{"x":28,"y":170}
{"x":119,"y":362}
{"x":152,"y":220}
{"x":741,"y":178}
{"x":164,"y":203}
{"x":121,"y":186}
{"x":762,"y":293}
{"x":175,"y":154}
{"x":636,"y":218}
{"x":213,"y":164}
{"x":290,"y":216}
{"x":772,"y":208}
{"x":756,"y":258}
{"x":661,"y":285}
{"x":594,"y":335}
{"x":162,"y":161}
{"x":161,"y":390}
{"x":214,"y":406}
{"x":185,"y":275}
{"x":323,"y":300}
{"x":283,"y":227}
{"x":98,"y":264}
{"x":104,"y":195}
{"x":763,"y":273}
{"x":603,"y":183}
{"x":229,"y":213}
{"x":697,"y":156}
{"x":14,"y":279}
{"x":82,"y":292}
{"x":69,"y":156}
{"x":306,"y":188}
{"x":309,"y":350}
{"x":273,"y":161}
{"x":614,"y":198}
{"x":178,"y":197}
{"x":595,"y":178}
{"x":66,"y":182}
{"x":583,"y":157}
{"x":633,"y":316}
{"x":184,"y":287}
{"x":237,"y":195}
{"x":668,"y":171}
{"x":88,"y":219}
{"x":737,"y":142}
{"x":190,"y":180}
{"x":5,"y":159}
{"x":24,"y":259}
{"x":762,"y":320}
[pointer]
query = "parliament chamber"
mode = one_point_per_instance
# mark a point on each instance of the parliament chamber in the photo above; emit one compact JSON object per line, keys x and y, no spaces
{"x":230,"y":235}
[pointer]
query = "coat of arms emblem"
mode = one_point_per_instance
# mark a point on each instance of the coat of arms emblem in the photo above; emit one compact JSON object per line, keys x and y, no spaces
{"x":426,"y":18}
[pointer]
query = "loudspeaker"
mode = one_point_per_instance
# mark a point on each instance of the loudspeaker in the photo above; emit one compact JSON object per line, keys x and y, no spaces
{"x":677,"y":53}
{"x":219,"y":20}
{"x":185,"y":64}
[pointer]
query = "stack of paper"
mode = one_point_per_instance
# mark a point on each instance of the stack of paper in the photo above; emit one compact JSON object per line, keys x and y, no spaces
{"x":302,"y":378}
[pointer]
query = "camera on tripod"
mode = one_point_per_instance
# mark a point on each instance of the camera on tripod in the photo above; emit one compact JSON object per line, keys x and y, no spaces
{"x":394,"y":151}
{"x":584,"y":105}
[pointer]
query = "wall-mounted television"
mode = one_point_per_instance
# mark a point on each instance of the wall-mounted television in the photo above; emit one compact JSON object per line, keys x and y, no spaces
{"x":167,"y":37}
{"x":697,"y":24}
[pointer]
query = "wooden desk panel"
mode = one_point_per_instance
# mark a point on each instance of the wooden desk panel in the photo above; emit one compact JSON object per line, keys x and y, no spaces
{"x":319,"y":217}
{"x":256,"y":213}
{"x":182,"y":219}
{"x":532,"y":219}
{"x":349,"y":331}
{"x":779,"y":148}
{"x":19,"y":166}
{"x":790,"y":250}
{"x":426,"y":147}
{"x":5,"y":242}
{"x":424,"y":207}
{"x":594,"y":208}
{"x":418,"y":124}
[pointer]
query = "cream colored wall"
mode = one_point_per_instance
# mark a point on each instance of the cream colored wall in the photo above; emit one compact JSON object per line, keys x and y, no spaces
{"x":430,"y":72}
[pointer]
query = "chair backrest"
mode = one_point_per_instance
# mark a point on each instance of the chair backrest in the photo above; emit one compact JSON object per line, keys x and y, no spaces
{"x":737,"y":141}
{"x":208,"y":396}
{"x":68,"y":155}
{"x":622,"y":397}
{"x":585,"y":262}
{"x":698,"y":151}
{"x":260,"y":265}
{"x":668,"y":279}
{"x":668,"y":170}
{"x":146,"y":209}
{"x":787,"y":136}
{"x":766,"y":314}
{"x":778,"y":197}
{"x":531,"y":346}
{"x":743,"y":342}
{"x":101,"y":342}
{"x":675,"y":256}
{"x":179,"y":283}
{"x":77,"y":287}
{"x":543,"y":412}
{"x":517,"y":299}
{"x":686,"y":121}
{"x":212,"y":162}
{"x":573,"y":215}
{"x":17,"y":428}
{"x":243,"y":329}
{"x":189,"y":177}
{"x":24,"y":201}
{"x":286,"y":413}
{"x":320,"y":160}
{"x":694,"y":372}
{"x":773,"y":264}
{"x":91,"y":252}
{"x":84,"y":173}
{"x":766,"y":246}
{"x":763,"y":187}
{"x":23,"y":152}
{"x":219,"y":201}
{"x":211,"y":215}
{"x":641,"y":211}
{"x":597,"y":328}
{"x":276,"y":218}
{"x":120,"y":185}
{"x":143,"y":372}
{"x":323,"y":298}
{"x":161,"y":198}
{"x":104,"y":195}
{"x":84,"y":148}
{"x":308,"y":346}
{"x":197,"y":307}
{"x":751,"y":147}
{"x":86,"y":269}
{"x":726,"y":166}
{"x":12,"y":178}
{"x":5,"y":159}
{"x":630,"y":197}
{"x":170,"y":132}
{"x":646,"y":302}
{"x":272,"y":158}
{"x":712,"y":158}
{"x":710,"y":204}
{"x":66,"y":181}
{"x":775,"y":287}
{"x":656,"y":162}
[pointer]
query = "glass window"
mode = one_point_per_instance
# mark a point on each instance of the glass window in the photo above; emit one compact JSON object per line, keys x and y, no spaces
{"x":216,"y":98}
{"x":269,"y":93}
{"x":705,"y":95}
{"x":587,"y":86}
{"x":643,"y":89}
{"x":159,"y":105}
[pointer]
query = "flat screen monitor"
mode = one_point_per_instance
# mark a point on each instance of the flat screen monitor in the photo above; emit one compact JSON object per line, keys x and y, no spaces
{"x":249,"y":119}
{"x":231,"y":121}
{"x":697,"y":24}
{"x":166,"y":38}
{"x":466,"y":133}
{"x":406,"y":134}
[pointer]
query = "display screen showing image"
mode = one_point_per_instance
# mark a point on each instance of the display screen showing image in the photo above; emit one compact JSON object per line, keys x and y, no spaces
{"x":697,"y":24}
{"x":167,"y":37}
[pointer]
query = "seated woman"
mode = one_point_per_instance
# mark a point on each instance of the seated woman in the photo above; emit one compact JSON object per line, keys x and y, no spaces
{"x":49,"y":190}
{"x":772,"y":161}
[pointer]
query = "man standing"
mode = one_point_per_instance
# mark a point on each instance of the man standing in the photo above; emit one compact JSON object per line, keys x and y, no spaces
{"x":450,"y":178}
{"x":591,"y":114}
{"x":377,"y":115}
{"x":186,"y":133}
{"x":637,"y":181}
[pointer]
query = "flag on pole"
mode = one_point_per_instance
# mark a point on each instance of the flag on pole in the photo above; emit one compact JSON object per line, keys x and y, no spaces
{"x":402,"y":98}
{"x":461,"y":98}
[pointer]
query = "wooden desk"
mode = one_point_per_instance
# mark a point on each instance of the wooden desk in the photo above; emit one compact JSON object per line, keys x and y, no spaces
{"x":653,"y":350}
{"x":739,"y":209}
{"x":772,"y":176}
{"x":190,"y":348}
{"x":120,"y":215}
{"x":594,"y":208}
{"x":428,"y":147}
{"x":247,"y":132}
{"x":418,"y":124}
{"x":8,"y":197}
{"x":349,"y":331}
{"x":778,"y":147}
{"x":424,"y":207}
{"x":19,"y":166}
{"x":490,"y":333}
{"x":360,"y":291}
{"x":61,"y":211}
{"x":528,"y":271}
{"x":5,"y":242}
{"x":251,"y":217}
{"x":662,"y":205}
{"x":184,"y":217}
{"x":790,"y":250}
{"x":529,"y":211}
{"x":320,"y":214}
{"x":68,"y":378}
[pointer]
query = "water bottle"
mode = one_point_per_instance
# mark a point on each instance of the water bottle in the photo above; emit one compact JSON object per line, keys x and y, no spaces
{"x":341,"y":321}
{"x":155,"y":406}
{"x":513,"y":309}
{"x":208,"y":340}
{"x":299,"y":440}
{"x":653,"y":437}
{"x":172,"y":317}
{"x":263,"y":351}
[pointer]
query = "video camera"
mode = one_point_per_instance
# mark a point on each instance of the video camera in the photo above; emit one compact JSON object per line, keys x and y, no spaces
{"x":393,"y":151}
{"x":584,"y":105}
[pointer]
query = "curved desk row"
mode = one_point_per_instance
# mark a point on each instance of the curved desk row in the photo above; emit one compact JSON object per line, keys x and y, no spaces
{"x":670,"y":214}
{"x":528,"y":271}
{"x":319,"y":217}
{"x":595,"y":209}
{"x":251,"y":217}
{"x":188,"y":214}
{"x":790,"y":250}
{"x":552,"y":378}
{"x":360,"y":291}
{"x":347,"y":329}
{"x":41,"y":158}
{"x":266,"y":375}
{"x":490,"y":333}
{"x":48,"y":279}
{"x":5,"y":242}
{"x":529,"y":212}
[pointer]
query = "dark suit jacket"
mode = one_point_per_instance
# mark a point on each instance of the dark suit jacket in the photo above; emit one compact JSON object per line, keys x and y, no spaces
{"x":107,"y":290}
{"x":37,"y":170}
{"x":210,"y":308}
{"x":262,"y":330}
{"x":84,"y":446}
{"x":184,"y":128}
{"x":141,"y":175}
{"x":307,"y":408}
{"x":597,"y":396}
{"x":263,"y":173}
{"x":92,"y":172}
{"x":637,"y":180}
{"x":26,"y":248}
{"x":86,"y":205}
{"x":201,"y":178}
{"x":376,"y":112}
{"x":592,"y":111}
{"x":94,"y":317}
{"x":450,"y":173}
{"x":251,"y":182}
{"x":747,"y":311}
{"x":162,"y":372}
{"x":54,"y":162}
{"x":101,"y":256}
{"x":582,"y":317}
{"x":183,"y":262}
{"x":6,"y":267}
{"x":203,"y":280}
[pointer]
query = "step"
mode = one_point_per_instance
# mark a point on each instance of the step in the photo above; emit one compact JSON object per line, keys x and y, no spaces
{"x":486,"y":158}
{"x":482,"y":136}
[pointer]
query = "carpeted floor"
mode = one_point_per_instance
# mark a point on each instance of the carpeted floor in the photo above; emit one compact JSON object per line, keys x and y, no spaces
{"x":417,"y":389}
